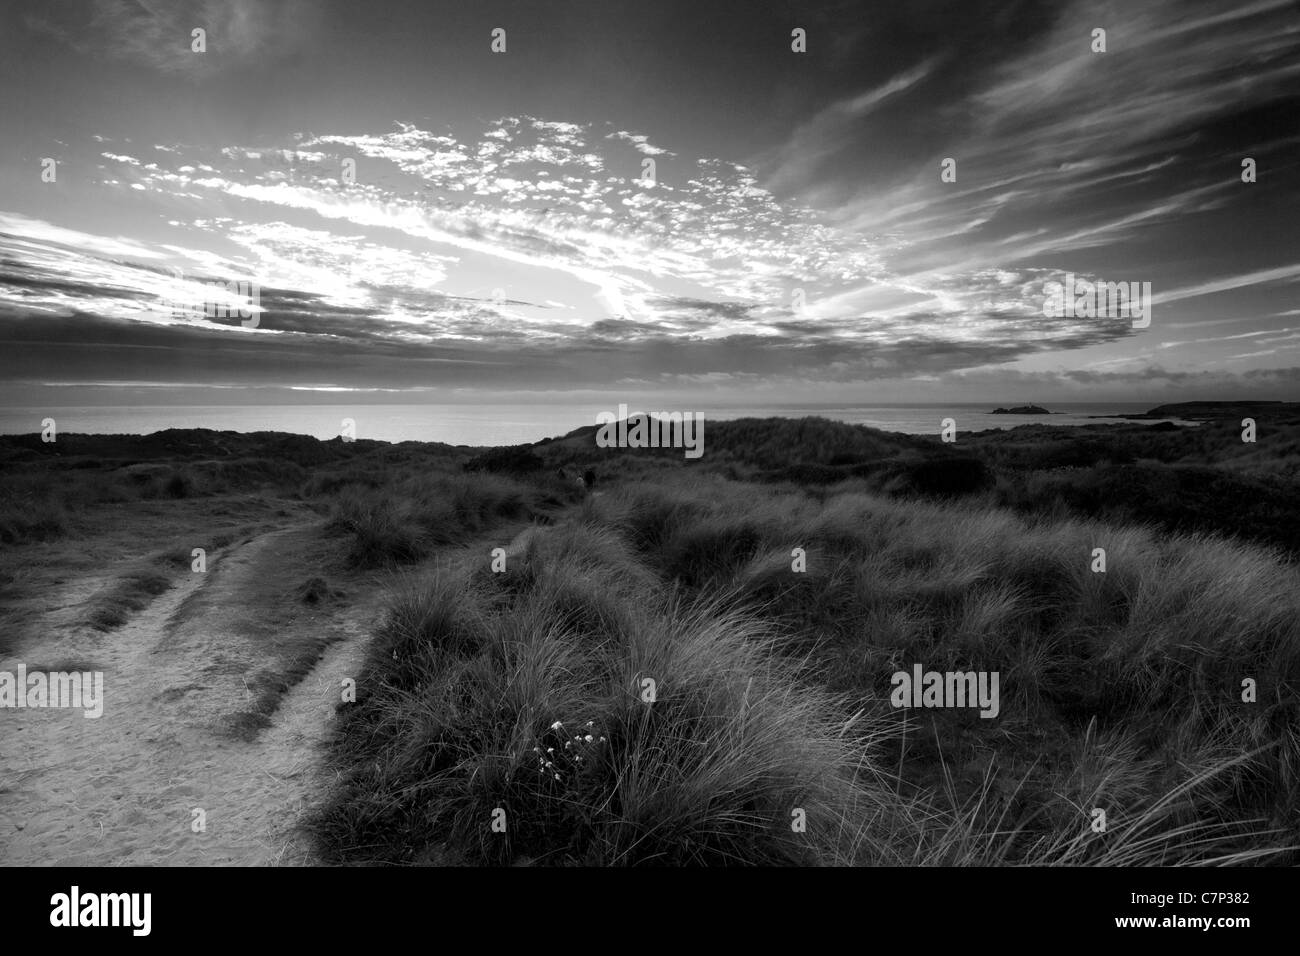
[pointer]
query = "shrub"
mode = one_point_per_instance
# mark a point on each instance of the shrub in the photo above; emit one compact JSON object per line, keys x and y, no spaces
{"x":383,"y":532}
{"x":177,"y":486}
{"x":25,"y":521}
{"x":517,"y":459}
{"x":946,"y":477}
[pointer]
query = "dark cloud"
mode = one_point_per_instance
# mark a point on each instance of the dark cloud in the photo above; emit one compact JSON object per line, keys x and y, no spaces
{"x":156,"y":34}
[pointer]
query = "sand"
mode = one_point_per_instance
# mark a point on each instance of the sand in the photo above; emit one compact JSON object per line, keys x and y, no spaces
{"x":124,"y":788}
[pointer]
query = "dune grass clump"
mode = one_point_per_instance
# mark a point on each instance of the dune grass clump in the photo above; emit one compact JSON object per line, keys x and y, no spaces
{"x":22,"y":522}
{"x":665,"y":733}
{"x":1158,"y":650}
{"x":465,"y":504}
{"x":382,"y":531}
{"x":403,"y":522}
{"x":36,"y":507}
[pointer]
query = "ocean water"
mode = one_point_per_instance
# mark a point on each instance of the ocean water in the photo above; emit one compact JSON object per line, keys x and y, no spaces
{"x":506,"y":424}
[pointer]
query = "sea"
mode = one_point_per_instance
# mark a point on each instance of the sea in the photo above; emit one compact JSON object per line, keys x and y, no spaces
{"x":481,"y":425}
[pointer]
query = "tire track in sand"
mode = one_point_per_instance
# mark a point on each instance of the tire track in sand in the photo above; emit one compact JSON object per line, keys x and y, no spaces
{"x":121,"y":789}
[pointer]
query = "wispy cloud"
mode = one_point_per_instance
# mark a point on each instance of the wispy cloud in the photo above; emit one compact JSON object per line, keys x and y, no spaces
{"x":831,"y":129}
{"x":1100,"y":145}
{"x":158,"y":34}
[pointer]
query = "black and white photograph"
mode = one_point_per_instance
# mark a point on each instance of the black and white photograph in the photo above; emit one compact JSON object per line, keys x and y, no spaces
{"x":709,"y":435}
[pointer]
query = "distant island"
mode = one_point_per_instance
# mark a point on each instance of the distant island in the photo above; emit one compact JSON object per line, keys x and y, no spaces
{"x":1021,"y":410}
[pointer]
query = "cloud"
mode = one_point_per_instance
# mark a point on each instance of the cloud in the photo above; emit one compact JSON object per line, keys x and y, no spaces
{"x":157,"y":34}
{"x":47,"y":233}
{"x":1058,"y":149}
{"x":831,"y":130}
{"x":641,"y":143}
{"x":867,"y":101}
{"x":1290,"y":273}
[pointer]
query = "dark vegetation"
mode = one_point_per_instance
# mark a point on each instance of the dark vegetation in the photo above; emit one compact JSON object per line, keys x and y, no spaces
{"x":1181,"y":479}
{"x":112,"y":607}
{"x":509,"y":459}
{"x":1120,"y":690}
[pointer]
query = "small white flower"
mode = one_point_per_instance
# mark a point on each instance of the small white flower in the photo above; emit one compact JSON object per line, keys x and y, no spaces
{"x":587,"y":738}
{"x":557,"y":725}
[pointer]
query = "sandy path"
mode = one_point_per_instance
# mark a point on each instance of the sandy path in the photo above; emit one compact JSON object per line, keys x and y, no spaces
{"x":121,"y":789}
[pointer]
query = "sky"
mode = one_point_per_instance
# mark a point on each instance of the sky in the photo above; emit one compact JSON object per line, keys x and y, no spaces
{"x":638,"y":201}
